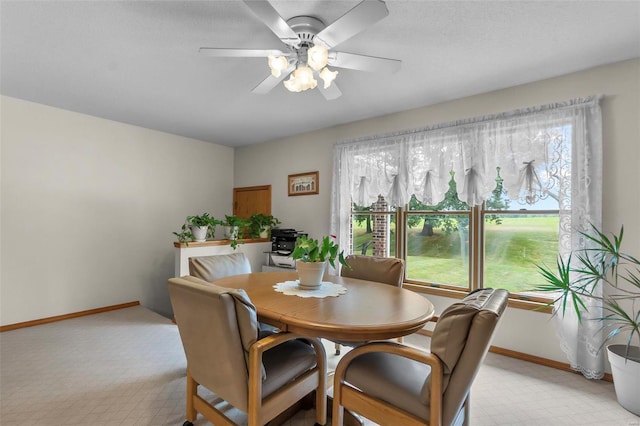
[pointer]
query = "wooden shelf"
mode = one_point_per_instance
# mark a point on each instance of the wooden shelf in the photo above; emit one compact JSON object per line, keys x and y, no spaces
{"x":210,"y":243}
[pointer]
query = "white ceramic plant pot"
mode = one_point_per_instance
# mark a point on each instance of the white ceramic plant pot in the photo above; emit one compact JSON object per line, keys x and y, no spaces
{"x":231,"y":232}
{"x":264,"y":233}
{"x":199,"y":233}
{"x":310,"y":274}
{"x":626,"y":376}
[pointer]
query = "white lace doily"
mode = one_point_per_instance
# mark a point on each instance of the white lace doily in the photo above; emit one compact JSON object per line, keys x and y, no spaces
{"x":290,"y":288}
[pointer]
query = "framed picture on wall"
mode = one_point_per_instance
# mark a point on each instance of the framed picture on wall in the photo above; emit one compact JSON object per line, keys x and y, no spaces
{"x":303,"y":184}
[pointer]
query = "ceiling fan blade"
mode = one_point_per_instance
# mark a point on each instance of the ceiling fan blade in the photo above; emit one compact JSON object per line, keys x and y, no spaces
{"x":331,"y":93}
{"x":270,"y":17}
{"x":240,"y":53}
{"x":363,"y":62}
{"x":365,"y":14}
{"x":270,"y":82}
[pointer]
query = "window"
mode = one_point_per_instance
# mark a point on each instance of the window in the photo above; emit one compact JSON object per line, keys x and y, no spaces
{"x":472,"y":204}
{"x":438,"y":249}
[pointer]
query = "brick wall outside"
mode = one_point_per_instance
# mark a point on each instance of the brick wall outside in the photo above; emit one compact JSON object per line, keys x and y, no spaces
{"x":380,"y":228}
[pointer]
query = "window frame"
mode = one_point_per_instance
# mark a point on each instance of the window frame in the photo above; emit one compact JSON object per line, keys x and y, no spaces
{"x":477,"y":216}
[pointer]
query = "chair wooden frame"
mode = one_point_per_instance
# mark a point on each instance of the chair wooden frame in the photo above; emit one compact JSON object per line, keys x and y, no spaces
{"x":262,"y":410}
{"x":381,"y":412}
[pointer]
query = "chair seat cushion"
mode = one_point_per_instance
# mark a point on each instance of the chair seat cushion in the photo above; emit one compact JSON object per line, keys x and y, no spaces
{"x":391,"y":378}
{"x":285,"y":362}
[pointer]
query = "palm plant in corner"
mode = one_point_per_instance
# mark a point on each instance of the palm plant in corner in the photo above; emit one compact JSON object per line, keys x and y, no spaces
{"x":577,"y":280}
{"x":311,"y":258}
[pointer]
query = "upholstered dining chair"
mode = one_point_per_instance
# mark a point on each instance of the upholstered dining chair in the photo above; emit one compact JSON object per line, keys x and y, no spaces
{"x":262,"y":377}
{"x":214,"y":267}
{"x":387,"y":270}
{"x":211,"y":268}
{"x":394,"y":384}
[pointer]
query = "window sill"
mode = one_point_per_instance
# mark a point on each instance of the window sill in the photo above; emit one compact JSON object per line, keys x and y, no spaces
{"x":459,"y":294}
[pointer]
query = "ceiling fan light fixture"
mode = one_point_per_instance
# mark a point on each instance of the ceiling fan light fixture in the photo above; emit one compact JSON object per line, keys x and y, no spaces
{"x":310,"y":47}
{"x":317,"y":57}
{"x":277,"y":64}
{"x":328,"y":76}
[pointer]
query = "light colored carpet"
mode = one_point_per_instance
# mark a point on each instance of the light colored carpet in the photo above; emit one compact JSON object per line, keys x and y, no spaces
{"x":126,"y":367}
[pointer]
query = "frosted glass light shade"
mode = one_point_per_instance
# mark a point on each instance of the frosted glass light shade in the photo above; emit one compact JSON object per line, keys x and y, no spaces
{"x":277,"y":64}
{"x":317,"y":57}
{"x":328,"y":76}
{"x":305,"y":76}
{"x":301,"y":79}
{"x":292,"y":84}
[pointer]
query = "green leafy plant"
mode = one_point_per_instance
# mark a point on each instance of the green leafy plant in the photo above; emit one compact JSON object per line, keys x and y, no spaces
{"x":185,"y":235}
{"x":260,"y":222}
{"x":603,"y":261}
{"x":311,"y":250}
{"x":234,"y":222}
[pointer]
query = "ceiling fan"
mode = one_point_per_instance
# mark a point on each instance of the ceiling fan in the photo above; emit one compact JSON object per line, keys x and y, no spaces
{"x":308,"y":50}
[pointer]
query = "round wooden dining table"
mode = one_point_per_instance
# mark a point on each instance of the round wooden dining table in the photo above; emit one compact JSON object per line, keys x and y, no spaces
{"x":367,"y":311}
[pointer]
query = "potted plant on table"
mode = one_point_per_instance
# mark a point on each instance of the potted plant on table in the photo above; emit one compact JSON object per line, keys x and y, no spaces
{"x":619,"y":272}
{"x":260,"y":224}
{"x":232,"y":225}
{"x":311,"y":258}
{"x":197,"y":228}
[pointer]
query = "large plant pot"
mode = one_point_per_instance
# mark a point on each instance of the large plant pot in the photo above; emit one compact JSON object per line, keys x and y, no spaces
{"x":626,"y":375}
{"x":199,"y":233}
{"x":310,"y":274}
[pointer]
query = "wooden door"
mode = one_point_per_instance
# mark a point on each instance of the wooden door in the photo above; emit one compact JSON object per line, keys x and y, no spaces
{"x":251,"y":199}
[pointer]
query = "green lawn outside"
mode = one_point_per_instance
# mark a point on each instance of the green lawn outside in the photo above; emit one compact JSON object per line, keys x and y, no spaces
{"x":511,"y":251}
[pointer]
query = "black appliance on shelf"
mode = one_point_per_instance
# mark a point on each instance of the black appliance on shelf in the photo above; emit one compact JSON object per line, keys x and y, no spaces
{"x":283,"y":241}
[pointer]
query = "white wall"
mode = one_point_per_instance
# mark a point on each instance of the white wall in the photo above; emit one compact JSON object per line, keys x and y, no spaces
{"x":88,"y":207}
{"x":271,"y":163}
{"x":524,"y":331}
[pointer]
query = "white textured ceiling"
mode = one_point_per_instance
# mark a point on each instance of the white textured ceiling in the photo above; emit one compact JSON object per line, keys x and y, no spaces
{"x":137,"y":61}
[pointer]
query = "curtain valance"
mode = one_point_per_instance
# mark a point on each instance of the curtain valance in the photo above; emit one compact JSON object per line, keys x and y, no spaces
{"x":529,"y":147}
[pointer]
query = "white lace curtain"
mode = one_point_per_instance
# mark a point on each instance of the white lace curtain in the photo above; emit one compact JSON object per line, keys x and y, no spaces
{"x":552,"y":150}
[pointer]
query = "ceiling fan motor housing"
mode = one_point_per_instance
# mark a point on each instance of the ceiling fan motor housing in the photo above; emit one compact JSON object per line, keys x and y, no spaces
{"x":306,"y":27}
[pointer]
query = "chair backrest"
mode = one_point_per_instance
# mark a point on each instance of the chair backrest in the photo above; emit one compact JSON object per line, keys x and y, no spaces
{"x":461,"y":340}
{"x":211,"y":268}
{"x":388,"y":270}
{"x":217,"y":326}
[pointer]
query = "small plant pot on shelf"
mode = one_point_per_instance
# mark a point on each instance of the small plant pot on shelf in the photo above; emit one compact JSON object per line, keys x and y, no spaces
{"x":626,"y":375}
{"x":310,"y":274}
{"x":264,"y":233}
{"x":260,"y":224}
{"x":199,"y":233}
{"x":231,"y":232}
